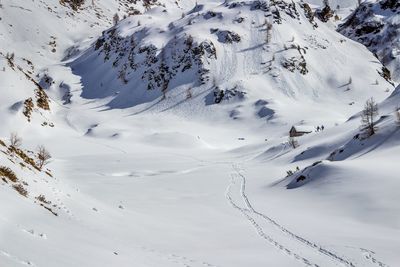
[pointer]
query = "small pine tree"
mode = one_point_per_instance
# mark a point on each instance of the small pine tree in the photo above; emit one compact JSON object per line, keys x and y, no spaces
{"x":147,"y":4}
{"x":293,"y":142}
{"x":369,"y":113}
{"x":164,"y":72}
{"x":10,"y":59}
{"x":269,"y":32}
{"x":116,"y":19}
{"x":215,"y":83}
{"x":189,"y":93}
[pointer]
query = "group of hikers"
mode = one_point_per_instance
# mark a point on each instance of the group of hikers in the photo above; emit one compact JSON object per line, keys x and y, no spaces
{"x":320,"y":128}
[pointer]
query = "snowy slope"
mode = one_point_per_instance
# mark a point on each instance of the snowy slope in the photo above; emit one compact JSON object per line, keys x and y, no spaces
{"x":182,"y":160}
{"x":216,"y":57}
{"x":357,"y":145}
{"x":37,"y":35}
{"x":335,"y":3}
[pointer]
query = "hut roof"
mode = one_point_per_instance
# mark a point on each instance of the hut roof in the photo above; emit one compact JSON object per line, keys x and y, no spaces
{"x":303,"y":128}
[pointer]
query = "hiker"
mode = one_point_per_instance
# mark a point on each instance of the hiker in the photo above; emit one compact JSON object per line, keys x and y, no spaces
{"x":318,"y":128}
{"x":322,"y":127}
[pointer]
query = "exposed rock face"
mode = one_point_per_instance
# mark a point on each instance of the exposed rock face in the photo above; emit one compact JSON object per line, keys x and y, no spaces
{"x":377,"y":26}
{"x":156,"y":67}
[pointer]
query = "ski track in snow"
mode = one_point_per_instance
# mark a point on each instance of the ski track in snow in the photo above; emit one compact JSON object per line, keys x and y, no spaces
{"x":367,"y":254}
{"x":34,"y":233}
{"x":228,"y":69}
{"x":259,"y":229}
{"x":178,"y":259}
{"x":250,"y":67}
{"x":282,"y":228}
{"x":16,"y":259}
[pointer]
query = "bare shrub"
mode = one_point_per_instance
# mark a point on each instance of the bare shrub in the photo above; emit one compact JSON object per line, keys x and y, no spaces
{"x":15,"y":140}
{"x":43,"y":199}
{"x":20,"y":189}
{"x":293,"y":142}
{"x":43,"y":157}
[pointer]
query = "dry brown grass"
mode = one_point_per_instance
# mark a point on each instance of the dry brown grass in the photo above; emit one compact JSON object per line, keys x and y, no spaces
{"x":42,"y":100}
{"x":24,"y":157}
{"x":43,"y":199}
{"x":20,"y":189}
{"x":28,"y":108}
{"x":7,"y":173}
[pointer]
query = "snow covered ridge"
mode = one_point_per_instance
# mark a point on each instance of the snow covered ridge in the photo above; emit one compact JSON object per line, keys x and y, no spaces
{"x":376,"y":24}
{"x":228,"y":52}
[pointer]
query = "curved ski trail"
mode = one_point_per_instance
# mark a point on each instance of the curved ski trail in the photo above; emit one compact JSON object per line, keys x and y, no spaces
{"x":302,"y":240}
{"x":178,"y":259}
{"x":367,"y":254}
{"x":261,"y":232}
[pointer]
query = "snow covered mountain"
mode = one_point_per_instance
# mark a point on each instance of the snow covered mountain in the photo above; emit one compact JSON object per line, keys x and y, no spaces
{"x":235,"y":53}
{"x":376,"y":24}
{"x":168,"y":128}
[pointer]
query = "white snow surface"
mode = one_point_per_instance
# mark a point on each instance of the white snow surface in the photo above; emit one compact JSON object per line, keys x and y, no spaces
{"x":146,"y":178}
